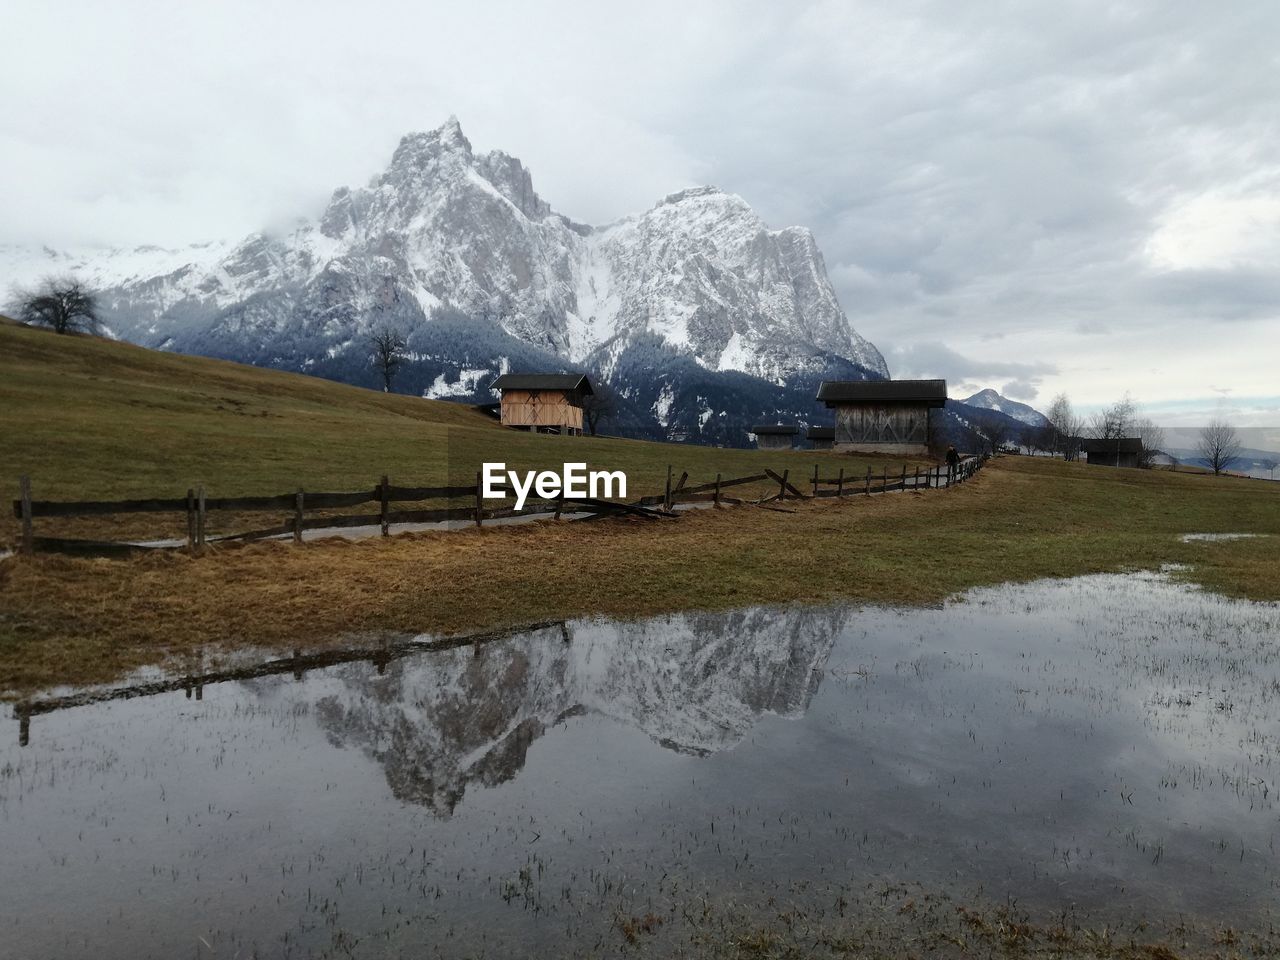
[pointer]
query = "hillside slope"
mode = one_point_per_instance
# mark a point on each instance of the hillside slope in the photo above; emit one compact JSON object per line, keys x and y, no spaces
{"x":96,"y":419}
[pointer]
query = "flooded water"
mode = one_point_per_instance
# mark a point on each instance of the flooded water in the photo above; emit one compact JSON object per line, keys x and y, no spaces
{"x":1104,"y":746}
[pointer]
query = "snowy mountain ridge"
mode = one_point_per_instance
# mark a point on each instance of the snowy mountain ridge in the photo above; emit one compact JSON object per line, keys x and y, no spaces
{"x":446,"y":233}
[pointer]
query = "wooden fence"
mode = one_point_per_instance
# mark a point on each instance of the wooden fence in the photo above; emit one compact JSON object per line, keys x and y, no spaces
{"x":299,"y":506}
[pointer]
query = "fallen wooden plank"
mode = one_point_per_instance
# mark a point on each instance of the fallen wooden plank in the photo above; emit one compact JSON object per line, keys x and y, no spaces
{"x":786,"y":483}
{"x":703,"y":487}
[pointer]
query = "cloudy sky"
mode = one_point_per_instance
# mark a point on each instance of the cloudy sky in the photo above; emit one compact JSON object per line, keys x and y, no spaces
{"x":1031,"y":196}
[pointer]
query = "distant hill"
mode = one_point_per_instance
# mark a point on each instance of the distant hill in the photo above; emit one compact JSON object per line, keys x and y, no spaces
{"x":991,"y":400}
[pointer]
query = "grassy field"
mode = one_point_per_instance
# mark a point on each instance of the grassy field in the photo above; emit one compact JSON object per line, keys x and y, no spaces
{"x":88,"y":418}
{"x":73,"y":620}
{"x":93,"y":419}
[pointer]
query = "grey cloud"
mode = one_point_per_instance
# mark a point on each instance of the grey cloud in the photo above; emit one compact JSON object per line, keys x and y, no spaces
{"x":1020,"y":390}
{"x":938,"y":360}
{"x":988,"y":173}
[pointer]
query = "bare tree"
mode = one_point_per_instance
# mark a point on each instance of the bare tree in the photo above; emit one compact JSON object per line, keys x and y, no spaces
{"x":1269,"y":465}
{"x":1066,"y":426}
{"x":1115,"y":421}
{"x":1219,"y":445}
{"x":997,"y":434}
{"x":1152,"y":438}
{"x":599,"y":406}
{"x":60,"y":303}
{"x":388,"y":353}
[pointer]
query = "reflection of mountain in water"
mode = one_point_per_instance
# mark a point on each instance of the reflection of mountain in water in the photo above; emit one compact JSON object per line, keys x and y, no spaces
{"x":694,"y":683}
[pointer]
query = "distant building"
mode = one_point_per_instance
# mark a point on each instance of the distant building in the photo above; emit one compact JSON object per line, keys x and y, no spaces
{"x":883,"y":416}
{"x":1122,"y":452}
{"x":775,"y":436}
{"x":546,"y":402}
{"x":821,"y":437}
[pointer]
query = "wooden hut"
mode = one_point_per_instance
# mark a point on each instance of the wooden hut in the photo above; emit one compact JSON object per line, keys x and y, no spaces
{"x":821,"y":437}
{"x":775,"y":436}
{"x":546,"y":402}
{"x":1117,"y":452}
{"x":883,"y":416}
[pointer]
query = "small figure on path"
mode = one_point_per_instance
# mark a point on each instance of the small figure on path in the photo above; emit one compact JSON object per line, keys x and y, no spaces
{"x":953,"y":461}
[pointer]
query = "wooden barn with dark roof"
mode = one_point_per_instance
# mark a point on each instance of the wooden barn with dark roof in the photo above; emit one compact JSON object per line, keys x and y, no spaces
{"x":883,"y":416}
{"x":543,"y":402}
{"x":775,"y":436}
{"x":821,"y":437}
{"x":1117,"y":452}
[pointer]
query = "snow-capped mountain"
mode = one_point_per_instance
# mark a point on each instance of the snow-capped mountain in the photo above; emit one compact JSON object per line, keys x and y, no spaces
{"x":456,"y":249}
{"x":990,"y":400}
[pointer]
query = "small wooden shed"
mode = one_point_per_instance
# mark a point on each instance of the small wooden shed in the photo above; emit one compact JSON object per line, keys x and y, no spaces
{"x":883,"y":416}
{"x":775,"y":436}
{"x":547,"y":402}
{"x":1117,"y":452}
{"x":821,"y":437}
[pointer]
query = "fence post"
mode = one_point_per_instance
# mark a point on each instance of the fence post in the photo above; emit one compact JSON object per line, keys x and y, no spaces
{"x":24,"y":491}
{"x":867,"y":489}
{"x":904,"y":478}
{"x":782,"y":487}
{"x":840,"y":483}
{"x":915,"y":484}
{"x":559,"y":504}
{"x":200,"y":517}
{"x":479,"y":505}
{"x":191,"y":518}
{"x":384,"y":494}
{"x":297,"y":517}
{"x":884,"y":479}
{"x":716,"y":501}
{"x":666,"y":496}
{"x":815,"y":481}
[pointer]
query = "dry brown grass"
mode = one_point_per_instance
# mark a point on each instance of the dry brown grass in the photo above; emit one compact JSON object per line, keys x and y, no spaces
{"x":74,"y":620}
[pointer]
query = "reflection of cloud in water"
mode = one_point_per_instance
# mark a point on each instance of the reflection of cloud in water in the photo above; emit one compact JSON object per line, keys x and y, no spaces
{"x":694,"y":683}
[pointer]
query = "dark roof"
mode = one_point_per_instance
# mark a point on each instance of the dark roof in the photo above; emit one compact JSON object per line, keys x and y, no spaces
{"x":933,"y":392}
{"x":822,"y":433}
{"x":1123,"y":445}
{"x":783,"y":429}
{"x":542,"y":381}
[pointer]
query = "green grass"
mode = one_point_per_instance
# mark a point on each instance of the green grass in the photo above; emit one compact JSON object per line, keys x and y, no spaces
{"x":88,"y":418}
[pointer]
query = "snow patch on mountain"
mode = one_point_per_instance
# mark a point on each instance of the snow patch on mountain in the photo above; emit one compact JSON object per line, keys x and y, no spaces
{"x":467,"y":384}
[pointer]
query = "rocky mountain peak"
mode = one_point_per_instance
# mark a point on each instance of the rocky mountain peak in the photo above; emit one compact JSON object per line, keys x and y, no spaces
{"x":458,"y":251}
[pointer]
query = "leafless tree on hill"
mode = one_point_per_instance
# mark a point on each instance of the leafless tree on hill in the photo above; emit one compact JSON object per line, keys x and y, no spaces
{"x":997,"y":434}
{"x":600,"y":406}
{"x":1269,"y":465}
{"x":1152,"y":438}
{"x":1219,"y":445}
{"x":388,"y":353}
{"x":60,"y":303}
{"x":1066,"y":426}
{"x":1115,"y":421}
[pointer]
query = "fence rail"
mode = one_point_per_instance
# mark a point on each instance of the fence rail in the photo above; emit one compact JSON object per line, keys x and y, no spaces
{"x":196,"y":506}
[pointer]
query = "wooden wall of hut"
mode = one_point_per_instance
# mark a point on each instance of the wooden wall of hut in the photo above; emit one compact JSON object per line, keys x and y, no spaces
{"x":540,"y":408}
{"x":882,"y":423}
